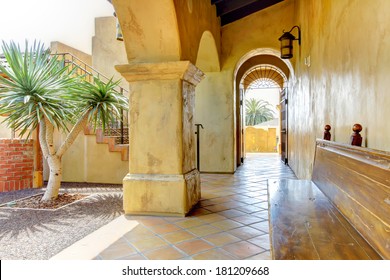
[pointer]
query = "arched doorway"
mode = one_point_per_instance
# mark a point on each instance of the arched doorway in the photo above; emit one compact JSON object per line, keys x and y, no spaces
{"x":263,"y":66}
{"x":263,"y":86}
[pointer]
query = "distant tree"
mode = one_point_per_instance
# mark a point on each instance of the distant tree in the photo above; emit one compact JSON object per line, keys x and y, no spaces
{"x":257,"y":111}
{"x":40,"y":90}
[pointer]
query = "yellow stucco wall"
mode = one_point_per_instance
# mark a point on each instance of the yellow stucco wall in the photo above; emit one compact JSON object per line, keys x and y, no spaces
{"x":5,"y":132}
{"x":348,"y":43}
{"x":149,"y":40}
{"x":87,"y":161}
{"x":259,"y":30}
{"x":173,"y":34}
{"x":107,"y":51}
{"x":193,"y":18}
{"x":58,"y":47}
{"x":213,"y":109}
{"x":260,"y":140}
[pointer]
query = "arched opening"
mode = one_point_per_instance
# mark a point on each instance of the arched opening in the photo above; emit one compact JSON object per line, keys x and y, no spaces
{"x":262,"y":85}
{"x":260,"y":68}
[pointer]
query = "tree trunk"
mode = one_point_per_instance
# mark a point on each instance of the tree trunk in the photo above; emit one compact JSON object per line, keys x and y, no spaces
{"x":54,"y":158}
{"x":55,"y":177}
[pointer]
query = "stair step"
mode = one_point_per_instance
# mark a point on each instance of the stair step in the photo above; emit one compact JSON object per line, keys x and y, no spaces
{"x":111,"y":141}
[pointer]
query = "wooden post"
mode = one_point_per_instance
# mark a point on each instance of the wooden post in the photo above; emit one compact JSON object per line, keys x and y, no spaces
{"x":327,"y":134}
{"x":38,"y":161}
{"x":356,"y":138}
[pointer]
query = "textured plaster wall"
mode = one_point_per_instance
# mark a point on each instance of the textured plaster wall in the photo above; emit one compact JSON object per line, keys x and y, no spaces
{"x":214,"y":109}
{"x":193,"y":18}
{"x":5,"y":132}
{"x":107,"y":51}
{"x":87,"y":161}
{"x":259,"y":30}
{"x":58,"y":47}
{"x":149,"y":30}
{"x":162,"y":153}
{"x":165,"y":30}
{"x":348,"y":43}
{"x":260,"y":140}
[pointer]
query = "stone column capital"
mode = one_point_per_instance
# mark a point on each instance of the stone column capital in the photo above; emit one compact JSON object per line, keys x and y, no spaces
{"x":183,"y":70}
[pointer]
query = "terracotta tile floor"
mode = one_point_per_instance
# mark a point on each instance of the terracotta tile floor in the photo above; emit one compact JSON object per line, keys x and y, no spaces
{"x":230,"y":222}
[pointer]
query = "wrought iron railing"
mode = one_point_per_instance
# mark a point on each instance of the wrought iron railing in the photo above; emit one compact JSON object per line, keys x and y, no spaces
{"x":119,"y":127}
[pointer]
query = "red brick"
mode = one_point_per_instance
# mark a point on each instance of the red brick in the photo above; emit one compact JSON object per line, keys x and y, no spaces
{"x":15,"y":144}
{"x":17,"y":173}
{"x":6,"y":186}
{"x":21,"y":164}
{"x":28,"y":168}
{"x":27,"y":184}
{"x":14,"y":171}
{"x":6,"y":166}
{"x":16,"y":164}
{"x":17,"y":185}
{"x":12,"y":185}
{"x":11,"y":152}
{"x":12,"y":178}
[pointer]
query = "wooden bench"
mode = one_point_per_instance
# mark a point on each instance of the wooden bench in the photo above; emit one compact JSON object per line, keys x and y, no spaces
{"x":342,"y":213}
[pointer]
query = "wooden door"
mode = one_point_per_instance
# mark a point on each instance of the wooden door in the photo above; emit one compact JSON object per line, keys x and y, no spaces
{"x":240,"y":128}
{"x":283,"y":125}
{"x":242,"y":125}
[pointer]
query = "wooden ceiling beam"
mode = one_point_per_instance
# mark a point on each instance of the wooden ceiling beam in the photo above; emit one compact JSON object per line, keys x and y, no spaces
{"x":228,"y":6}
{"x":246,"y":10}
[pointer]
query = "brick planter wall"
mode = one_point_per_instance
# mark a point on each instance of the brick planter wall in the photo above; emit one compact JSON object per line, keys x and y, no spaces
{"x":16,"y":164}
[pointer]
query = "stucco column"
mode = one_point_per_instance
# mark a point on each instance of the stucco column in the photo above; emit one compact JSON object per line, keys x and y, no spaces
{"x":162,"y":179}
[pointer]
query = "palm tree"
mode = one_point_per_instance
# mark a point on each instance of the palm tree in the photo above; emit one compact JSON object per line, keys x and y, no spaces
{"x":40,"y":90}
{"x":257,"y":111}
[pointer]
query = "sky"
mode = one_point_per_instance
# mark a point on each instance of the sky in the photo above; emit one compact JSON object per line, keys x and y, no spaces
{"x":68,"y":21}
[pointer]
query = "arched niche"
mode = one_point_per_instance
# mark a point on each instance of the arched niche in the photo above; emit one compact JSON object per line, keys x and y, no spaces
{"x":207,"y":58}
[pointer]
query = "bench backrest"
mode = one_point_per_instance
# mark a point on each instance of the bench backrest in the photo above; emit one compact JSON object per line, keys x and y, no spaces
{"x":357,"y":181}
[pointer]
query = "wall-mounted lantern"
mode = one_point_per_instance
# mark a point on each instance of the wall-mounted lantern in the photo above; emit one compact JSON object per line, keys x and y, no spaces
{"x":286,"y":43}
{"x":119,"y":34}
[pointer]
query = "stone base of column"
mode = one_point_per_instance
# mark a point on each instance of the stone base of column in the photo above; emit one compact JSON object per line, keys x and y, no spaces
{"x":162,"y":195}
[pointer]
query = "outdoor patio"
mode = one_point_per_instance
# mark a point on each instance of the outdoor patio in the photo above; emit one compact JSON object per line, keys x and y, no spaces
{"x":230,"y":222}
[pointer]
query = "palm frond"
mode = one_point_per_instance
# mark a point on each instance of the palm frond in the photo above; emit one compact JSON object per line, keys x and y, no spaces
{"x":257,"y":111}
{"x":102,"y":102}
{"x":36,"y":87}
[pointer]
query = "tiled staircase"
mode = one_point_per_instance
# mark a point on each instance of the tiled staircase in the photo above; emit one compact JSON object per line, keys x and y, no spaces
{"x":111,"y":141}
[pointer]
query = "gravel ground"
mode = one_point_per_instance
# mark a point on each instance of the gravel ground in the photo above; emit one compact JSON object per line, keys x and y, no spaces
{"x":27,"y":234}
